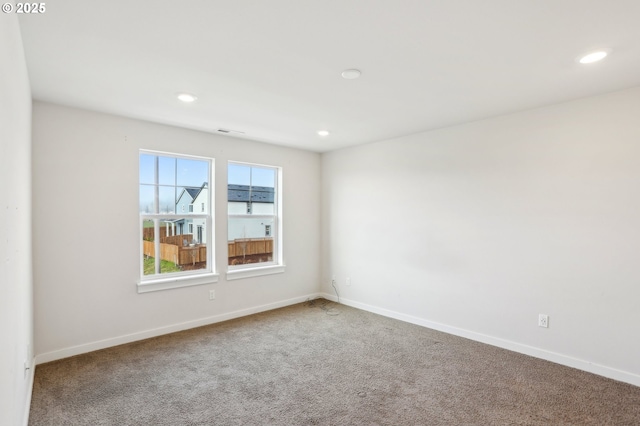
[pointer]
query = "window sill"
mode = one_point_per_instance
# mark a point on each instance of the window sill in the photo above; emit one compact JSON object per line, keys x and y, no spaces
{"x":176,"y":282}
{"x":238,"y":274}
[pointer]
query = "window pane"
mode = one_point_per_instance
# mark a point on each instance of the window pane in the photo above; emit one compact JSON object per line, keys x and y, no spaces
{"x":190,"y":196}
{"x":183,"y":244}
{"x":148,"y":248}
{"x":147,"y":168}
{"x":192,"y":172}
{"x":238,"y":197}
{"x":179,"y":249}
{"x":167,"y":199}
{"x":263,"y":177}
{"x":251,"y":190}
{"x":238,"y":200}
{"x":249,"y":227}
{"x":167,"y":170}
{"x":185,"y":199}
{"x":239,"y":174}
{"x":250,"y":240}
{"x":146,"y":199}
{"x":262,"y":199}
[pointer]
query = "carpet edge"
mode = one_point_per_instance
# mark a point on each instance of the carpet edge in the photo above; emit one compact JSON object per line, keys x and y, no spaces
{"x":146,"y":334}
{"x":555,"y":357}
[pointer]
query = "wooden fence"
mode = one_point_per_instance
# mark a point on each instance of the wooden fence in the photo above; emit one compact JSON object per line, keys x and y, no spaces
{"x":147,"y":233}
{"x":177,"y":240}
{"x":172,"y":250}
{"x":250,"y":246}
{"x":192,"y":255}
{"x":177,"y":254}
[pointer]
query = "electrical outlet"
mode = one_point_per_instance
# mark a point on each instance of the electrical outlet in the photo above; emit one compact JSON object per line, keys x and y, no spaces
{"x":212,"y":294}
{"x":348,"y":282}
{"x":543,"y":320}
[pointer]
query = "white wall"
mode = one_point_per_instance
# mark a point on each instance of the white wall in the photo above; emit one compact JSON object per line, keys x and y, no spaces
{"x":85,"y":281}
{"x":200,"y":205}
{"x":249,"y":227}
{"x":237,"y":208}
{"x":262,"y":208}
{"x":16,"y":307}
{"x":480,"y":227}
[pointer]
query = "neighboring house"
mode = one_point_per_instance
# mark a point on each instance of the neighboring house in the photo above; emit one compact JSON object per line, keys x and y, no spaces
{"x":244,"y":203}
{"x":199,"y":205}
{"x":190,"y":200}
{"x":250,"y":201}
{"x":186,"y":198}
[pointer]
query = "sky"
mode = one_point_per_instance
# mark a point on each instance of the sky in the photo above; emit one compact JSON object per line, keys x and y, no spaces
{"x":240,"y":174}
{"x":174,"y":171}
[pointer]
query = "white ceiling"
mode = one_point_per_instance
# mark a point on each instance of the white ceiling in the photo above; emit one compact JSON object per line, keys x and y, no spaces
{"x":272,"y":68}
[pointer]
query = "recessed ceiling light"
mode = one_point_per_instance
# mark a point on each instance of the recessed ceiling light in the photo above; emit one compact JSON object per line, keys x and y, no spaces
{"x":351,"y":74}
{"x":186,"y":97}
{"x":593,"y":56}
{"x":323,"y":132}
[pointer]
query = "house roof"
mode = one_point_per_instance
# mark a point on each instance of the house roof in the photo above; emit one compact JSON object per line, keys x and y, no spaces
{"x":259,"y":194}
{"x":192,"y":191}
{"x":238,"y":193}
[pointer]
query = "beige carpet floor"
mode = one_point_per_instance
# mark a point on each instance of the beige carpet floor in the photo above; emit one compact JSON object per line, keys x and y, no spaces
{"x":320,"y":363}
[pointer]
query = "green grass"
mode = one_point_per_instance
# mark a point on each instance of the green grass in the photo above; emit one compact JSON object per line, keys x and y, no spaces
{"x":165,"y":266}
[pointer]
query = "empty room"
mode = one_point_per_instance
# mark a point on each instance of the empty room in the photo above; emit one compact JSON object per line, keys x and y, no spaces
{"x":320,"y":212}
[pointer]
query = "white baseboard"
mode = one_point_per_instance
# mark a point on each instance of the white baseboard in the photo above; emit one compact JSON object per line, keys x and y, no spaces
{"x":580,"y":364}
{"x":31,"y":374}
{"x":558,"y":358}
{"x":133,"y":337}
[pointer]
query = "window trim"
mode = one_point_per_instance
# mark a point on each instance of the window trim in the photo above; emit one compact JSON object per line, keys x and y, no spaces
{"x":276,"y":266}
{"x":177,"y":282}
{"x":184,"y":278}
{"x":254,"y":271}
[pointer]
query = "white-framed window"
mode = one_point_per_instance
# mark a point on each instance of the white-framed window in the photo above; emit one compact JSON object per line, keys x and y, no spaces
{"x":170,"y":258}
{"x":254,"y":222}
